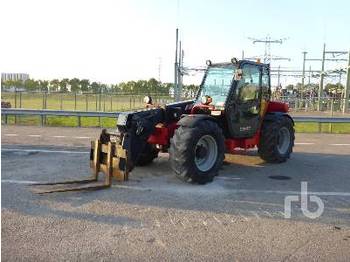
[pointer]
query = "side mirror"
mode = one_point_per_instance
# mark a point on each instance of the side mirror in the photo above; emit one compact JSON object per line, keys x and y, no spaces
{"x":234,"y":60}
{"x":238,"y":74}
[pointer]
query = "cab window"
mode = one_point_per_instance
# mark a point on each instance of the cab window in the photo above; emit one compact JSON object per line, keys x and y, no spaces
{"x":217,"y":83}
{"x":248,"y":86}
{"x":265,"y":84}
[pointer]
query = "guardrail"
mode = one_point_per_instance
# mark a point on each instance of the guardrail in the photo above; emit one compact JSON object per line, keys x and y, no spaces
{"x":321,"y":119}
{"x":43,"y":113}
{"x":5,"y":112}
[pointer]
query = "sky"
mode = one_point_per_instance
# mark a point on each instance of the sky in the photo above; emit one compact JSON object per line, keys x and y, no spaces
{"x":110,"y":41}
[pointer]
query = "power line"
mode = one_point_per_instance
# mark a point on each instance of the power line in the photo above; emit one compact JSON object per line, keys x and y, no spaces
{"x":159,"y":69}
{"x":324,"y":73}
{"x":268,"y":41}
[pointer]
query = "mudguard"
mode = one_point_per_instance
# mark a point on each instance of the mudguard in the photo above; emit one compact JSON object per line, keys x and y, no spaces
{"x":272,"y":116}
{"x":192,"y":120}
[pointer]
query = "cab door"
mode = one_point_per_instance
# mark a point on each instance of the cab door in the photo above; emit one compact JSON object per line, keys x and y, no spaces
{"x":244,"y":103}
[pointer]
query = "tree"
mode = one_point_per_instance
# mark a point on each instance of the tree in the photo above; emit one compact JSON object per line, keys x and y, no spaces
{"x":122,"y":86}
{"x":190,"y":90}
{"x":166,"y":88}
{"x":12,"y":83}
{"x":54,"y":85}
{"x":290,"y":87}
{"x":103,"y":88}
{"x":299,"y":87}
{"x":141,"y":86}
{"x":95,"y":87}
{"x":43,"y":85}
{"x":31,"y":85}
{"x":153,"y":85}
{"x":75,"y":85}
{"x":115,"y":88}
{"x":64,"y":85}
{"x":18,"y":83}
{"x":131,"y":86}
{"x":334,"y":89}
{"x":85,"y":85}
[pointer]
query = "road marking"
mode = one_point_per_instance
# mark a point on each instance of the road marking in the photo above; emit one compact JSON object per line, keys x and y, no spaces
{"x":280,"y":213}
{"x":132,"y":187}
{"x":268,"y":214}
{"x":244,"y":217}
{"x":10,"y":134}
{"x":228,"y":178}
{"x":290,"y":192}
{"x":304,"y":143}
{"x":339,"y":144}
{"x":255,"y":214}
{"x":346,"y":194}
{"x":11,"y":181}
{"x":58,"y":136}
{"x":82,"y":137}
{"x":43,"y":151}
{"x":34,"y":135}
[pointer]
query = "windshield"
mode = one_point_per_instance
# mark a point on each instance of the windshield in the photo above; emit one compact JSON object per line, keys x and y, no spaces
{"x":217,"y":83}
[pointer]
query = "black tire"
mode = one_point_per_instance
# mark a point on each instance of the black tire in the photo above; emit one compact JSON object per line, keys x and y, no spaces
{"x":149,"y":153}
{"x":184,"y":147}
{"x":274,"y":134}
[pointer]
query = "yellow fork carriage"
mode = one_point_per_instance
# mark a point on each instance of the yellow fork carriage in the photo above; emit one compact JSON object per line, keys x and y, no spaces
{"x":107,"y":156}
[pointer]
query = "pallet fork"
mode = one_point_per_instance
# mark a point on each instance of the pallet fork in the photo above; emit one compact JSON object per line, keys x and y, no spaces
{"x":108,"y":158}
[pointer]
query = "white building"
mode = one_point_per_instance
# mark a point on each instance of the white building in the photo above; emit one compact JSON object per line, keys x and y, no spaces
{"x":14,"y":76}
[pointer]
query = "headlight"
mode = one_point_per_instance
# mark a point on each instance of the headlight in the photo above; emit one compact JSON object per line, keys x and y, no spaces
{"x":122,"y":119}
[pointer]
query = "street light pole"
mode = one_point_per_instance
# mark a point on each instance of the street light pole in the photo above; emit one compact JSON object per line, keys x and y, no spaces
{"x":320,"y":88}
{"x":309,"y":75}
{"x":347,"y":88}
{"x":176,"y":67}
{"x":303,"y":76}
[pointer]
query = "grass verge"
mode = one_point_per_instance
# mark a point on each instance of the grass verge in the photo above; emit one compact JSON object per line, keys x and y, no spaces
{"x":335,"y":128}
{"x":65,"y":121}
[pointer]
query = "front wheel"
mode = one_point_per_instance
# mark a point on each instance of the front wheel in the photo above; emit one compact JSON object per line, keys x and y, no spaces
{"x":197,"y":153}
{"x":276,"y":140}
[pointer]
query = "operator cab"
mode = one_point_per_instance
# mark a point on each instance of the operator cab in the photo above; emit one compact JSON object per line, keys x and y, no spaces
{"x":238,"y":90}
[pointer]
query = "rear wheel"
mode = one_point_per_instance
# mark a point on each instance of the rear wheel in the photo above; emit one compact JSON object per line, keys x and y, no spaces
{"x":276,"y":140}
{"x":197,"y":153}
{"x":149,"y":153}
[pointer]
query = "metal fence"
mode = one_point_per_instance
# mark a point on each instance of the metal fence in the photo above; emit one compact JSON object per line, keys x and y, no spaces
{"x":106,"y":102}
{"x":327,"y":104}
{"x":109,"y":102}
{"x":44,"y":113}
{"x":5,"y":112}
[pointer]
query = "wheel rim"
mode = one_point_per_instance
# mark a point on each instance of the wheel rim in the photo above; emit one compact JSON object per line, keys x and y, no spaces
{"x":206,"y":152}
{"x":283,"y":140}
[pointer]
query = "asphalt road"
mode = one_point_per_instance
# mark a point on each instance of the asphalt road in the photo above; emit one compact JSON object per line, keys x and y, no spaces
{"x":240,"y":216}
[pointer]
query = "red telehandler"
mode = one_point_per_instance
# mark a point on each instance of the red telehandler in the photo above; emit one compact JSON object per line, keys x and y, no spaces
{"x":231,"y":110}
